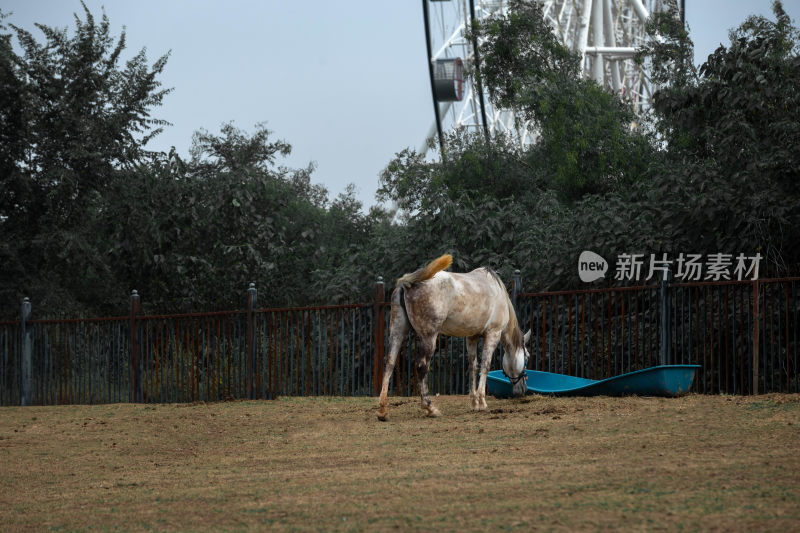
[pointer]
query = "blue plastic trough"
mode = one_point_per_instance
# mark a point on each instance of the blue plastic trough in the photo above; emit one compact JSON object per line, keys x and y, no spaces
{"x":666,"y":380}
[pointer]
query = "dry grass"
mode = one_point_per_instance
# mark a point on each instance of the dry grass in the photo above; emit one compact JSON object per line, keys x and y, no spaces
{"x":693,"y":463}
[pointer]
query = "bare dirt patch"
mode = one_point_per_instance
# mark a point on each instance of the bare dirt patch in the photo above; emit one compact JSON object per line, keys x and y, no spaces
{"x":692,"y":463}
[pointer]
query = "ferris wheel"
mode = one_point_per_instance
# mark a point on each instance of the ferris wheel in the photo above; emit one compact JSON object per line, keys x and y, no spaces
{"x":605,"y":33}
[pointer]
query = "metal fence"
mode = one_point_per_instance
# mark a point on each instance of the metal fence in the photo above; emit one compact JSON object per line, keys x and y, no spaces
{"x":259,"y":354}
{"x":252,"y":353}
{"x":64,"y":362}
{"x":743,"y":334}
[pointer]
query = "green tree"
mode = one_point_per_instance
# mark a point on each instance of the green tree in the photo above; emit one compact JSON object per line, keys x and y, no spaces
{"x":195,"y":240}
{"x":732,"y":129}
{"x":12,"y":117}
{"x":720,"y":175}
{"x":496,"y":168}
{"x":73,"y":117}
{"x":586,"y":143}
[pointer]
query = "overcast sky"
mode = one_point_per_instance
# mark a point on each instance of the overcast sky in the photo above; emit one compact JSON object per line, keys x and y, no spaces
{"x":345,"y":83}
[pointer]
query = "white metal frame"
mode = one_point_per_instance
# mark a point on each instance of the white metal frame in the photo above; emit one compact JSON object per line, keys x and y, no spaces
{"x":605,"y":32}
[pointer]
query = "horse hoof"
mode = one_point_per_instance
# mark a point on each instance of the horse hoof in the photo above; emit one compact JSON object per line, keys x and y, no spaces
{"x":434,"y":413}
{"x":383,"y":416}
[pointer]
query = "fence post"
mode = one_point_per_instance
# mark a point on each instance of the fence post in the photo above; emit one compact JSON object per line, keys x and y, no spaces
{"x":252,"y":300}
{"x":26,"y":366}
{"x":377,"y":365}
{"x":666,"y":325}
{"x":135,"y":384}
{"x":756,"y":328}
{"x":516,"y":289}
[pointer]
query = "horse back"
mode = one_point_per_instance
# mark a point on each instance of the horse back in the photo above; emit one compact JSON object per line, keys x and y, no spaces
{"x":458,"y":304}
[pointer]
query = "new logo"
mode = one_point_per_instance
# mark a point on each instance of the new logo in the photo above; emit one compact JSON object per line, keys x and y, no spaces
{"x":591,"y":266}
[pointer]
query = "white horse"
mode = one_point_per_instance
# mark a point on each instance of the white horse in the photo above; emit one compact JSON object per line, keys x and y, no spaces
{"x":471,"y":305}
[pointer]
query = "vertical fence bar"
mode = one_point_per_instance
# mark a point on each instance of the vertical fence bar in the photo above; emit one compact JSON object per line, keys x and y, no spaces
{"x":252,"y":299}
{"x":377,"y":364}
{"x":756,"y":323}
{"x":583,"y":345}
{"x":665,"y":319}
{"x":544,"y":333}
{"x":794,"y":340}
{"x":786,"y":333}
{"x":309,"y":381}
{"x":26,"y":359}
{"x":569,"y":338}
{"x":135,"y":383}
{"x":298,"y":363}
{"x":726,"y":336}
{"x":794,"y":329}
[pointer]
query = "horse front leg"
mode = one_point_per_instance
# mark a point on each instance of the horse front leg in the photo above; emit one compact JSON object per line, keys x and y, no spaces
{"x":489,"y":344}
{"x":398,"y":330}
{"x":472,"y":352}
{"x":427,"y":345}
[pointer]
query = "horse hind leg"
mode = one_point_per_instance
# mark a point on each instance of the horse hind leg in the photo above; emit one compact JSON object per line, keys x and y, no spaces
{"x":472,"y":352}
{"x":398,"y":330}
{"x":427,"y":345}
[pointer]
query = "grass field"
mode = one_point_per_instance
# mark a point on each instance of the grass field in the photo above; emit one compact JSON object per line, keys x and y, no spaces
{"x":709,"y":463}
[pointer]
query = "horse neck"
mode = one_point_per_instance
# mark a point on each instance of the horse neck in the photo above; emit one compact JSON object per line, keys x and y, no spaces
{"x":508,"y":334}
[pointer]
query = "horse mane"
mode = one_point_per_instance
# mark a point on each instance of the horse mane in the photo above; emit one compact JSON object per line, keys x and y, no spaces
{"x":426,"y":272}
{"x":514,"y":331}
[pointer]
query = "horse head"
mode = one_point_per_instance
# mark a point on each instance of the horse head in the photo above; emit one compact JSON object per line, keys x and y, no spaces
{"x":515,"y":363}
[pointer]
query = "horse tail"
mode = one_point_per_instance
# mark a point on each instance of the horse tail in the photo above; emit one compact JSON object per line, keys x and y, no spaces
{"x":426,"y":272}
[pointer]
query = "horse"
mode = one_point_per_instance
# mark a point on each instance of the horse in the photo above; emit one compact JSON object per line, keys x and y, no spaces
{"x":474,"y":305}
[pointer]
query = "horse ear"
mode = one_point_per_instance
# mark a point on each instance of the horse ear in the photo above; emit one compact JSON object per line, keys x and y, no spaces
{"x":527,"y":337}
